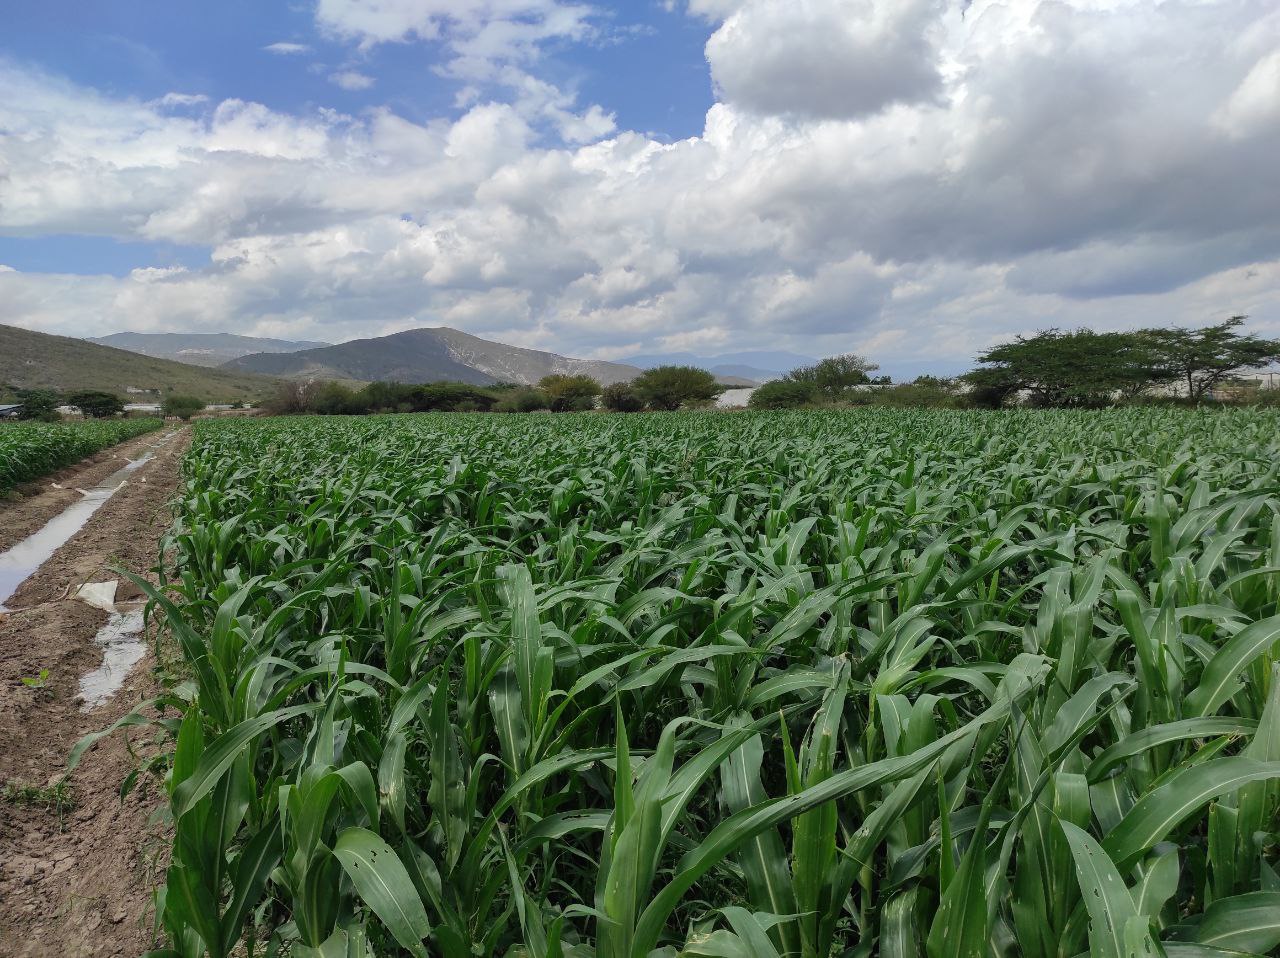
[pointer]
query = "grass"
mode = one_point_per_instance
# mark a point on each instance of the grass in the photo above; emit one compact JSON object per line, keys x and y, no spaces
{"x":872,"y":682}
{"x":29,"y":450}
{"x":58,"y":798}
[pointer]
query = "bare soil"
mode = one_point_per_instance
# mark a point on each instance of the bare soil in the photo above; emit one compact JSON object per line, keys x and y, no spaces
{"x":79,"y":882}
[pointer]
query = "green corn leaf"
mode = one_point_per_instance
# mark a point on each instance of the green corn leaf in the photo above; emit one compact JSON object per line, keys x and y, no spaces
{"x":384,"y":885}
{"x":218,"y":756}
{"x":1219,"y":681}
{"x":1161,"y":810}
{"x":1249,"y":922}
{"x":1110,"y":906}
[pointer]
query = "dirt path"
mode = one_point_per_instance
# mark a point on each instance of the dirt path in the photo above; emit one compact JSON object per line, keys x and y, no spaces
{"x":78,"y":881}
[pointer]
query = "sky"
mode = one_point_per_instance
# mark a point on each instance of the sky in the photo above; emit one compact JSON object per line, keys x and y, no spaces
{"x":913,"y":180}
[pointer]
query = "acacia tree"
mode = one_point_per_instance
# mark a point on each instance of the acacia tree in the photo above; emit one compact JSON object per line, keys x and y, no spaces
{"x":1080,"y":368}
{"x":835,"y":375}
{"x":1203,"y":358}
{"x":39,"y":404}
{"x":95,"y":404}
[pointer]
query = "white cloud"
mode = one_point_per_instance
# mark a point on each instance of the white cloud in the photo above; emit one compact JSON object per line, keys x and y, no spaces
{"x":182,"y":99}
{"x":1101,"y":162}
{"x":286,"y":48}
{"x":827,"y":58}
{"x":1254,"y":105}
{"x":352,"y":80}
{"x":483,"y":34}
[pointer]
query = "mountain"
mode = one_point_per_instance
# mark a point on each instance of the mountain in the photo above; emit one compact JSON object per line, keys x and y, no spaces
{"x":427,"y":355}
{"x":199,"y":349}
{"x":31,"y":360}
{"x":756,"y":366}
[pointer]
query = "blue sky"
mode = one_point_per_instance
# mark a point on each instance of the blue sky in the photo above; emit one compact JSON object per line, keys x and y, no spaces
{"x":144,"y":50}
{"x":646,"y":62}
{"x":911,"y":179}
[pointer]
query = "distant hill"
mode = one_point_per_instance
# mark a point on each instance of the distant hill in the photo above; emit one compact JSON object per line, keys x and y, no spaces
{"x":428,"y":355}
{"x":200,"y":349}
{"x":753,"y":367}
{"x":31,"y":360}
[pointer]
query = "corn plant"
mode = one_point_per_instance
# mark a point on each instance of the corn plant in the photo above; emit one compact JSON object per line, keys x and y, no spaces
{"x":799,"y":685}
{"x":29,"y":450}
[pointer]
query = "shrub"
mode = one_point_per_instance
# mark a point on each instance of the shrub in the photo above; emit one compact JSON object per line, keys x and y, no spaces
{"x":782,"y":394}
{"x":570,"y":393}
{"x":523,"y":400}
{"x":184,"y":407}
{"x":621,"y":397}
{"x":670,"y":387}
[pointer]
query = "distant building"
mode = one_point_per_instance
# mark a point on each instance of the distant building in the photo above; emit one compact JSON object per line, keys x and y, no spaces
{"x":11,"y":410}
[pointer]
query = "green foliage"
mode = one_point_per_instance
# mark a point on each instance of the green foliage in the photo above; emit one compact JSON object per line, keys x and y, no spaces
{"x":800,"y":685}
{"x":184,"y":407}
{"x":782,"y":394}
{"x":621,"y":397}
{"x":335,"y":399}
{"x":29,"y":450}
{"x":523,"y":400}
{"x":925,"y":392}
{"x":96,"y":405}
{"x":1204,"y":358}
{"x":671,"y":387}
{"x":834,"y":376}
{"x":39,"y":404}
{"x":1081,"y":368}
{"x":569,"y":393}
{"x":1084,"y":368}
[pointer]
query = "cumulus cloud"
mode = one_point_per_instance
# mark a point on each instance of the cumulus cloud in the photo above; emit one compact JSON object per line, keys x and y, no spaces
{"x":1103,"y":163}
{"x":827,"y":58}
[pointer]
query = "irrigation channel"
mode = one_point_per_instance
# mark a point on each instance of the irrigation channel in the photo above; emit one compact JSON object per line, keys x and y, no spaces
{"x":20,"y":562}
{"x":78,"y":863}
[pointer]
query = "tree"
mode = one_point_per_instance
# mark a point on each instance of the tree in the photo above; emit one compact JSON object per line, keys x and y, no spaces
{"x":184,"y":407}
{"x":39,"y":404}
{"x":96,"y":405}
{"x":782,"y":394}
{"x":570,"y":393}
{"x":292,"y":396}
{"x":1203,"y":358}
{"x":670,"y":387}
{"x":1080,"y":368}
{"x":835,"y":375}
{"x":620,"y":397}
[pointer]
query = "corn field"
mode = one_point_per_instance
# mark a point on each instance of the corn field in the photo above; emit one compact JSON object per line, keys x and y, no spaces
{"x":29,"y":450}
{"x":740,"y":686}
